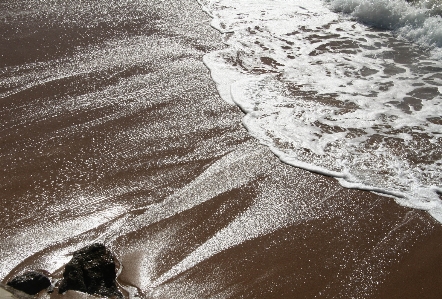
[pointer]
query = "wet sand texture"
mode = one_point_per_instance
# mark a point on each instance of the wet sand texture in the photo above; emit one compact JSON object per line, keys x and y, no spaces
{"x":114,"y":133}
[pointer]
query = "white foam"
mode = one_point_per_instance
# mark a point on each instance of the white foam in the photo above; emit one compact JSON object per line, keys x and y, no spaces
{"x":333,"y":96}
{"x":418,"y":23}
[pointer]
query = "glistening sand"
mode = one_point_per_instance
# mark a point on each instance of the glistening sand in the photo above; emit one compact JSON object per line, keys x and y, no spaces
{"x":112,"y":131}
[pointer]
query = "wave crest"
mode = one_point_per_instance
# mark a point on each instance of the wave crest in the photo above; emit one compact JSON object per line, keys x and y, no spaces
{"x":416,"y":21}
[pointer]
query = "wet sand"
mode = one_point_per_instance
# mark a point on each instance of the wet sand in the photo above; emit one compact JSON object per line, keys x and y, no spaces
{"x":116,"y":134}
{"x":5,"y":294}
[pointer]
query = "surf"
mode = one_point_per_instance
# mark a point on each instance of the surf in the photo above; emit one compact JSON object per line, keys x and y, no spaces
{"x":330,"y":90}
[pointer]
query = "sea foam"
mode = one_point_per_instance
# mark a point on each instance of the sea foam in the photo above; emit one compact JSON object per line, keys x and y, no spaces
{"x":335,"y":96}
{"x":418,"y":22}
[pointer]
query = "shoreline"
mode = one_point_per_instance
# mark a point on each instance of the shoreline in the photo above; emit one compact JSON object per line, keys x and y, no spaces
{"x":227,"y":79}
{"x":162,"y":171}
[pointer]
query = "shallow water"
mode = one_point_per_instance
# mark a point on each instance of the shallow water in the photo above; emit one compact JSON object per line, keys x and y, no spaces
{"x":113,"y":132}
{"x":336,"y":96}
{"x":95,"y":124}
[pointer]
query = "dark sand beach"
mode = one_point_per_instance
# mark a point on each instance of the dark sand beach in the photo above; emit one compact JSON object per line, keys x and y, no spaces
{"x":112,"y":131}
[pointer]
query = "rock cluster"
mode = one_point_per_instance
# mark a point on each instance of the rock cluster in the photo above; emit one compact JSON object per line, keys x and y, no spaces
{"x":91,"y":270}
{"x":31,"y":282}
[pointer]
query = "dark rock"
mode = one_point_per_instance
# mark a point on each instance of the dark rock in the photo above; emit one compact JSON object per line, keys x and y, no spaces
{"x":30,"y":282}
{"x":91,"y":270}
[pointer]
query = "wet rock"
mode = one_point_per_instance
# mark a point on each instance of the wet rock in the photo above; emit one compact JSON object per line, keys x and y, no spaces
{"x":91,"y":270}
{"x":30,"y":282}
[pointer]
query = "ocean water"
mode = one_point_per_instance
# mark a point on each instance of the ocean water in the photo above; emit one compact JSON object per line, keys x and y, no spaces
{"x":346,"y":88}
{"x":112,"y":131}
